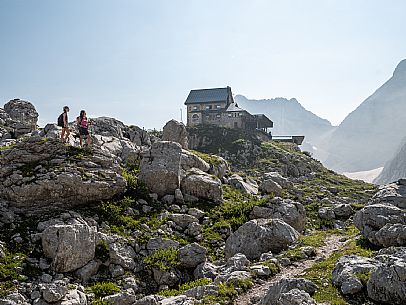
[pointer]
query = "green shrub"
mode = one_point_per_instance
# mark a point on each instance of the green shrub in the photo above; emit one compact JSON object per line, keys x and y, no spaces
{"x":9,"y":266}
{"x":163,"y":259}
{"x":103,"y":289}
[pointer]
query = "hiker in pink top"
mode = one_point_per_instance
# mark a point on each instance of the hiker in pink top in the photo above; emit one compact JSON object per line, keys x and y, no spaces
{"x":83,"y":124}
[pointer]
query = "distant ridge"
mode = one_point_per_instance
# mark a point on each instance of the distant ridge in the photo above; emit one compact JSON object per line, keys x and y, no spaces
{"x":291,"y":118}
{"x":371,"y":134}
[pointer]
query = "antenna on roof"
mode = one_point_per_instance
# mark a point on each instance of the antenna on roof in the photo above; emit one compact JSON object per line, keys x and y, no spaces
{"x":181,"y":116}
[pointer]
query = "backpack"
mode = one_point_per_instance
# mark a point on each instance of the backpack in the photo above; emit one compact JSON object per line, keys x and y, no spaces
{"x":79,"y":121}
{"x":60,"y":120}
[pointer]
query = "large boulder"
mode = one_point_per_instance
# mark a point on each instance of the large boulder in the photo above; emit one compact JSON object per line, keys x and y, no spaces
{"x":189,"y":160}
{"x":292,"y":212}
{"x":382,"y":224}
{"x":301,"y":288}
{"x":70,"y":246}
{"x":346,"y":270}
{"x":123,"y":148}
{"x":393,"y":193}
{"x":39,"y":173}
{"x":260,"y":236}
{"x":387,"y":284}
{"x":23,"y":115}
{"x":176,"y":132}
{"x":202,"y":185}
{"x":160,"y":168}
{"x":192,"y":255}
{"x":246,"y":185}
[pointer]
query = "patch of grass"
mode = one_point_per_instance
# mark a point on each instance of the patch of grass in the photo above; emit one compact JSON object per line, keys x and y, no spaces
{"x":227,"y":292}
{"x":9,"y":272}
{"x":211,"y":159}
{"x":74,"y":152}
{"x":364,"y":277}
{"x":7,"y":147}
{"x":186,"y":286}
{"x":320,"y":274}
{"x":102,"y":251}
{"x":103,"y":289}
{"x":163,"y":259}
{"x":100,"y":302}
{"x":274,"y":267}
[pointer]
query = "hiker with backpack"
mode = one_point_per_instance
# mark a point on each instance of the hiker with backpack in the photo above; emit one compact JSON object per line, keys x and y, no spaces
{"x":83,"y":124}
{"x":63,"y":122}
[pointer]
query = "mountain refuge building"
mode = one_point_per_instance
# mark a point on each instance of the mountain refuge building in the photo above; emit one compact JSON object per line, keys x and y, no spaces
{"x":216,"y":106}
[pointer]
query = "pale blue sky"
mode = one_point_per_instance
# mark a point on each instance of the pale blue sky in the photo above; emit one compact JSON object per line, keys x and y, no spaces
{"x":137,"y":60}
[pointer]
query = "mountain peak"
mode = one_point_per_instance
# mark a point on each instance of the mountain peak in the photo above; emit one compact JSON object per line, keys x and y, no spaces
{"x":401,"y":68}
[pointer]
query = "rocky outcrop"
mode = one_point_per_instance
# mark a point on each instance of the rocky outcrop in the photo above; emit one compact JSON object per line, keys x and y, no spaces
{"x":160,"y":168}
{"x":290,"y":291}
{"x":202,"y":185}
{"x":45,"y":173}
{"x":259,"y":236}
{"x":392,"y":193}
{"x":246,"y":185}
{"x":70,"y":246}
{"x":190,"y":256}
{"x":346,"y":272}
{"x":23,"y":117}
{"x":387,"y":284}
{"x":292,"y":212}
{"x":176,"y":132}
{"x":382,"y":224}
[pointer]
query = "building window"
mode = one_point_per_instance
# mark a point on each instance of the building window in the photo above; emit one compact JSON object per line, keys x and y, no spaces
{"x":218,"y":106}
{"x":218,"y":115}
{"x":209,"y":107}
{"x":195,"y":117}
{"x":230,"y":115}
{"x":195,"y":107}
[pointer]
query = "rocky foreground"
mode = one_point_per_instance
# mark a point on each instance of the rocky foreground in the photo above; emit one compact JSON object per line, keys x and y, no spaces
{"x":140,"y":218}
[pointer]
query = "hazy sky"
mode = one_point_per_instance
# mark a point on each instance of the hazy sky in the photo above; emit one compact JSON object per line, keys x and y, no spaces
{"x":137,"y":60}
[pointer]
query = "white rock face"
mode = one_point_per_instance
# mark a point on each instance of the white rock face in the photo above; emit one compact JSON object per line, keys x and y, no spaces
{"x":176,"y":132}
{"x":38,"y":173}
{"x":160,"y":168}
{"x":202,"y":185}
{"x":70,"y":246}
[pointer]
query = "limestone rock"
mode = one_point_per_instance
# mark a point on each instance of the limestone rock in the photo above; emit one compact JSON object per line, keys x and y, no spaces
{"x":387,"y":284}
{"x":160,"y":168}
{"x":206,"y":270}
{"x":202,"y":185}
{"x":175,"y":131}
{"x":292,"y":212}
{"x":192,"y":255}
{"x":247,"y":186}
{"x":70,"y":246}
{"x":295,"y":297}
{"x":74,"y":297}
{"x":183,"y":220}
{"x":189,"y":160}
{"x":382,"y":224}
{"x":276,"y":290}
{"x":122,"y":298}
{"x":346,"y":269}
{"x":392,"y":193}
{"x":23,"y":115}
{"x":259,"y":236}
{"x":40,"y":173}
{"x":55,"y":291}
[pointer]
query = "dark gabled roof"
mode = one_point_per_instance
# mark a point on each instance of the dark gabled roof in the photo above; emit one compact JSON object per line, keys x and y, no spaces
{"x":209,"y":95}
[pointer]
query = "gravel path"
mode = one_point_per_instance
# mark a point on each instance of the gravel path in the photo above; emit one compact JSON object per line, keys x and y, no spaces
{"x":252,"y":296}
